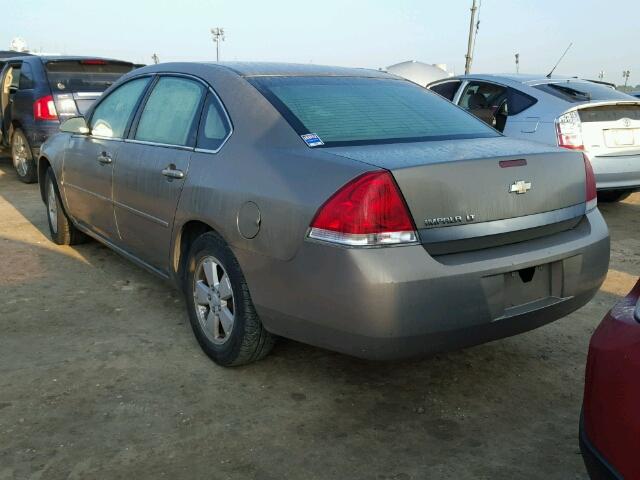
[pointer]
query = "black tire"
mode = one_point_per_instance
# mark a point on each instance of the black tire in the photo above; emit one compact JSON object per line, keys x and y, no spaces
{"x":610,"y":196}
{"x":248,"y":341}
{"x":22,"y":157}
{"x":62,"y":230}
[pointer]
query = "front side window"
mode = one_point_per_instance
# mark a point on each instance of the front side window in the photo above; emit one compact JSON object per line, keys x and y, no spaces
{"x":170,"y":114}
{"x":214,"y":126}
{"x":447,"y":89}
{"x":112,"y":115}
{"x":359,"y":110}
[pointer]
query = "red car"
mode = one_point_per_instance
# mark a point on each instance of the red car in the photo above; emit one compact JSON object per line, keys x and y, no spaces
{"x":610,"y":422}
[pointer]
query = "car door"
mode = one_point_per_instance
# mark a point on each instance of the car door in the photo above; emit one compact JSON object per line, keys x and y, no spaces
{"x":89,"y":159}
{"x":487,"y":101}
{"x":10,"y":81}
{"x":152,"y":166}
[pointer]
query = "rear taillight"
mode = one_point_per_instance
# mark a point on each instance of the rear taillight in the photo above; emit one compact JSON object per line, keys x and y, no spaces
{"x":590,"y":179}
{"x":569,"y":131}
{"x":95,"y":61}
{"x":45,"y":109}
{"x":367,"y":211}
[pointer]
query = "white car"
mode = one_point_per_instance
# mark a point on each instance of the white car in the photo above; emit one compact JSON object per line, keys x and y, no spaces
{"x":565,"y":111}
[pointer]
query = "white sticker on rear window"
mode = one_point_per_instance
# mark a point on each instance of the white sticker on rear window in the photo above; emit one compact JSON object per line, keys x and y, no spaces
{"x":312,"y":140}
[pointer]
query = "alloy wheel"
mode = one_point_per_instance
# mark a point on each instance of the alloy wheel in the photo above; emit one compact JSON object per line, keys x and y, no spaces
{"x":214,"y":300}
{"x":19,"y":151}
{"x":52,"y":207}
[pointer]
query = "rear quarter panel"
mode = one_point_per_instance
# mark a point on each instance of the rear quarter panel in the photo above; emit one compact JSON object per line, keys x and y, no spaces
{"x":264,"y":162}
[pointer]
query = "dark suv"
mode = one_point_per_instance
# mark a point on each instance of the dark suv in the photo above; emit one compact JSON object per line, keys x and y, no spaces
{"x":38,"y":92}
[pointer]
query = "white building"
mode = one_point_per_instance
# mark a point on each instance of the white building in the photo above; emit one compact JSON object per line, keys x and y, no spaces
{"x":420,"y":73}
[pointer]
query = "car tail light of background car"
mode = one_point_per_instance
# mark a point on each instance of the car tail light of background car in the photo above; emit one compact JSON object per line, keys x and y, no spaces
{"x":569,"y":131}
{"x":45,"y":109}
{"x":367,"y":211}
{"x":590,"y":180}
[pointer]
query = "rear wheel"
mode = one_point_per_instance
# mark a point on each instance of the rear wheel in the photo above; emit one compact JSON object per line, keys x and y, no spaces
{"x":22,"y":157}
{"x":610,"y":196}
{"x":62,"y":230}
{"x":221,"y":312}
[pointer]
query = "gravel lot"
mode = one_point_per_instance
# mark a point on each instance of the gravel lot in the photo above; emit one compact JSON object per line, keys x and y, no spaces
{"x":101,"y":377}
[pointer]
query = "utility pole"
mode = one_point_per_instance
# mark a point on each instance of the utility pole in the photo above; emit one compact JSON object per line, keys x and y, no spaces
{"x":517,"y":63}
{"x":626,"y":74}
{"x":218,"y":36}
{"x":469,"y":55}
{"x":601,"y":75}
{"x":155,"y":58}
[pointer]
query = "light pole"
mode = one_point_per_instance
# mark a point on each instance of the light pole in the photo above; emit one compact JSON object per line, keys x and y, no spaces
{"x":601,"y":75}
{"x":469,"y":56}
{"x":517,"y":63}
{"x":626,"y":74}
{"x":218,"y":36}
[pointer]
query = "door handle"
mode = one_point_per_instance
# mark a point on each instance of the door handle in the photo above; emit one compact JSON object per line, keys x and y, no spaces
{"x":105,"y":158}
{"x":172,"y":172}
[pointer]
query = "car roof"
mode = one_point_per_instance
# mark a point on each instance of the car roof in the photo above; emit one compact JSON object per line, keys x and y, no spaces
{"x":523,"y":78}
{"x":256,"y":69}
{"x":52,"y":58}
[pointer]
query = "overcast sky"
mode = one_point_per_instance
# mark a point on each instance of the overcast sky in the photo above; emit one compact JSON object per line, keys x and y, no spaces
{"x":374,"y":33}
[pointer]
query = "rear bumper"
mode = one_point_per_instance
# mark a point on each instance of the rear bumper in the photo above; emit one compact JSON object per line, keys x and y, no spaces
{"x":597,"y":466}
{"x":616,"y":173}
{"x":400,"y":302}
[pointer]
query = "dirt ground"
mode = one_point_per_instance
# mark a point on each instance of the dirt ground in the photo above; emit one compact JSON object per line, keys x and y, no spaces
{"x":101,"y":377}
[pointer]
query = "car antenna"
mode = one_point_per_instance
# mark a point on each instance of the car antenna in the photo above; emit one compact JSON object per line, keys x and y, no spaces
{"x":559,"y":60}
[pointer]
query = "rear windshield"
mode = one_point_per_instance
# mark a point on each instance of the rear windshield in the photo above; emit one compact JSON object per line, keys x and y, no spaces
{"x":576,"y":92}
{"x":356,"y":111}
{"x":84,"y":75}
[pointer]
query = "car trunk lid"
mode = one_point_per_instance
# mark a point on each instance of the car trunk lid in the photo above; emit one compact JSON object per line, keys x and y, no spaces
{"x":479,"y":189}
{"x":610,"y":128}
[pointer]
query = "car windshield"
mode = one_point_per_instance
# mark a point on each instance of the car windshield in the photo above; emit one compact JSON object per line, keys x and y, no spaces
{"x":581,"y":91}
{"x":84,"y":75}
{"x":359,"y":110}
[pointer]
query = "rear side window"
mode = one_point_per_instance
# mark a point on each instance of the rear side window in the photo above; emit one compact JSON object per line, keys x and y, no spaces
{"x":26,"y":77}
{"x":580,"y":91}
{"x":358,"y":110}
{"x":518,"y":102}
{"x":483,"y":95}
{"x":447,"y":89}
{"x":112,"y":115}
{"x":214,"y":126}
{"x":84,"y":75}
{"x":170,"y":114}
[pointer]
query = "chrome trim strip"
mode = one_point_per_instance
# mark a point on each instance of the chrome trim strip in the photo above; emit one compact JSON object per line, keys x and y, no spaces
{"x":141,"y":214}
{"x":87,"y":94}
{"x":157,"y":144}
{"x":496,"y":227}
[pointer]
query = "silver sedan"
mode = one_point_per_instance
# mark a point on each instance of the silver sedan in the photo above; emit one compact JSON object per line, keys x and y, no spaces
{"x":587,"y":116}
{"x":345,"y":208}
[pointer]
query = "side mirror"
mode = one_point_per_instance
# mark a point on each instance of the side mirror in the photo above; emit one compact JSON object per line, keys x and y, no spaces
{"x":76,"y":125}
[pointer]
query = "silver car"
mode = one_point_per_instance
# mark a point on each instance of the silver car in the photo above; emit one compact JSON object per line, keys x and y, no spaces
{"x":345,"y":208}
{"x":575,"y":114}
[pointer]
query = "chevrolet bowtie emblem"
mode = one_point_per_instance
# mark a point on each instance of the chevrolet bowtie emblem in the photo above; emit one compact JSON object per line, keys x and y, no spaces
{"x":520,"y":187}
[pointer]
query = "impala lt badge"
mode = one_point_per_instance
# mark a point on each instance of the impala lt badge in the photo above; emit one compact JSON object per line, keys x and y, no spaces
{"x":520,"y":187}
{"x":433,"y":222}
